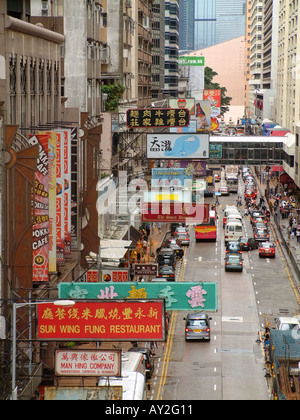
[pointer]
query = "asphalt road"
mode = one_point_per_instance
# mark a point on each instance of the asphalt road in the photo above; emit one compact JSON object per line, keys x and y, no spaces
{"x":231,"y":366}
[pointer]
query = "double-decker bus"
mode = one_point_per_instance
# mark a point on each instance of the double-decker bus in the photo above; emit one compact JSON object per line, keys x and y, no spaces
{"x":207,"y":231}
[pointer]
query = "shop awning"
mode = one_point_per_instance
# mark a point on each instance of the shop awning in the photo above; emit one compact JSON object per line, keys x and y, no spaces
{"x":277,"y":169}
{"x":134,"y":235}
{"x":111,"y":249}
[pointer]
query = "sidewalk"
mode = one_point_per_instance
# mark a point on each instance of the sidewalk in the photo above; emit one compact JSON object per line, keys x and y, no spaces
{"x":290,"y":243}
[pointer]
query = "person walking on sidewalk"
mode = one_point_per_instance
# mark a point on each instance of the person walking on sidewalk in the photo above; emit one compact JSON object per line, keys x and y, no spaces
{"x":298,"y":235}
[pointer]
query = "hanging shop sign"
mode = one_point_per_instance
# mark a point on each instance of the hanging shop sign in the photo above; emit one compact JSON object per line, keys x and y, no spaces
{"x":178,"y":146}
{"x":88,"y":362}
{"x":193,"y":213}
{"x":179,"y":296}
{"x":165,"y":117}
{"x":104,"y":320}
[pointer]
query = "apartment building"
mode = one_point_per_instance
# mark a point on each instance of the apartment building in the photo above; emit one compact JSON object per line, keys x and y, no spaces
{"x":158,"y":50}
{"x":256,"y":51}
{"x":171,"y":48}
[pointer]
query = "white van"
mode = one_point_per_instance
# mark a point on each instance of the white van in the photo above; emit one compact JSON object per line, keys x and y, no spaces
{"x":234,"y":216}
{"x":227,"y":211}
{"x":233,"y":231}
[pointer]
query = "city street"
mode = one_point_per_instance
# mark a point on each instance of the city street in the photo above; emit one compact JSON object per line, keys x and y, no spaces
{"x":232,"y":365}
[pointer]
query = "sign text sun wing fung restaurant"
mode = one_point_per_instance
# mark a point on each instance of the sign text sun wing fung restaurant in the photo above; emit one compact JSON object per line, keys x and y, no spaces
{"x":125,"y":320}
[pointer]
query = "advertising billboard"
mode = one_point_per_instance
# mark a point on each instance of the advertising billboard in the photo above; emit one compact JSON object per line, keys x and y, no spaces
{"x":178,"y":146}
{"x":179,"y":296}
{"x":104,"y":320}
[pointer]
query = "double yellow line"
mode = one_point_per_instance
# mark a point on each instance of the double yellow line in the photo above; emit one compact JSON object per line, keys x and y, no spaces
{"x":172,"y":325}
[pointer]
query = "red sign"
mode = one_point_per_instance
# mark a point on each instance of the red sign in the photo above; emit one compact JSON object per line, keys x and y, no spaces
{"x":125,"y":320}
{"x":175,"y":212}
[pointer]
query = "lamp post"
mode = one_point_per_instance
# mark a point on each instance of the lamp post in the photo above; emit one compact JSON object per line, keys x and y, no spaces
{"x":15,"y":307}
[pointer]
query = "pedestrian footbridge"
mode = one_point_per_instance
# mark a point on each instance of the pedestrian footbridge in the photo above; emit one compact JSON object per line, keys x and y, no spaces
{"x":248,"y":150}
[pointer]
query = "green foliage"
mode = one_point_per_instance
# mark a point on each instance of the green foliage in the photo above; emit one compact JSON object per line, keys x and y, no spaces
{"x":115,"y":93}
{"x":209,"y":84}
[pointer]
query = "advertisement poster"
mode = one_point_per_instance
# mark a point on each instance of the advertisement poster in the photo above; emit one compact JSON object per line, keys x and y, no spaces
{"x":195,"y":168}
{"x":121,"y":320}
{"x":203,"y":115}
{"x":178,"y":146}
{"x":40,"y":245}
{"x":214,"y":97}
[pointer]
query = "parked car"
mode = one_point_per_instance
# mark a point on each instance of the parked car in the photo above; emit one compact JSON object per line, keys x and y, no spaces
{"x":259,"y":219}
{"x":181,"y":229}
{"x":183,"y":239}
{"x":148,"y":359}
{"x":248,"y":244}
{"x":233,"y":262}
{"x":255,"y":213}
{"x":166,"y":272}
{"x":197,"y":327}
{"x":172,"y":244}
{"x":267,"y":249}
{"x":224,"y":191}
{"x":166,"y":256}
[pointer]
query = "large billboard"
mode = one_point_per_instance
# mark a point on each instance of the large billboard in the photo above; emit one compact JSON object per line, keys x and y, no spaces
{"x":104,"y":320}
{"x":178,"y":146}
{"x":179,"y":296}
{"x":167,"y":212}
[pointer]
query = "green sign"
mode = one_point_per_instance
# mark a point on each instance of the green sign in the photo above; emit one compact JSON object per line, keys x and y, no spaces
{"x":191,"y":61}
{"x":215,"y":151}
{"x":178,"y":296}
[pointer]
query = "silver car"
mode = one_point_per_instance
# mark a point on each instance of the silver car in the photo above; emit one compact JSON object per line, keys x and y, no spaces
{"x":197,"y":327}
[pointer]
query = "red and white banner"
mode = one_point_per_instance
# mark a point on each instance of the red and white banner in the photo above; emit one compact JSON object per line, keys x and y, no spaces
{"x":126,"y":320}
{"x":60,"y":230}
{"x":67,"y":190}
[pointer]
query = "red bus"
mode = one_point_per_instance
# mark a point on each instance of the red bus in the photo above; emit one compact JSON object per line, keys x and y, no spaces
{"x":207,"y":231}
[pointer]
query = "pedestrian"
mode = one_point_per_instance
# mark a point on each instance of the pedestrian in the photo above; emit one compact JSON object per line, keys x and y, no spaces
{"x":159,"y":226}
{"x":298,"y":236}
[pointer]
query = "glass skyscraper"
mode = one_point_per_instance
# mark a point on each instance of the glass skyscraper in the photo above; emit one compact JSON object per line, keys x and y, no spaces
{"x":215,"y":21}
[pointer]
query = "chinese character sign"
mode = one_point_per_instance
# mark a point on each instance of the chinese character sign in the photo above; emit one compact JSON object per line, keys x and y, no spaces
{"x":129,"y":320}
{"x":179,"y":296}
{"x":166,"y":117}
{"x":177,"y":146}
{"x":88,"y":362}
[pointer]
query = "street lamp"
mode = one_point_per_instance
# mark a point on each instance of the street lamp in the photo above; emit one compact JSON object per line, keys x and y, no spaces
{"x":15,"y":306}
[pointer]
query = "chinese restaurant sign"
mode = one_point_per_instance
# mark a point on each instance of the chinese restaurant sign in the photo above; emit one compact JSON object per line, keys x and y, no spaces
{"x":179,"y":296}
{"x":88,"y":363}
{"x":153,"y":117}
{"x":129,"y":320}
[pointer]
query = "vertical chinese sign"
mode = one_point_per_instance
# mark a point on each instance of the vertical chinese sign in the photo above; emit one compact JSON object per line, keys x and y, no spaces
{"x":60,"y":230}
{"x":67,"y":191}
{"x":52,"y":200}
{"x":40,"y":245}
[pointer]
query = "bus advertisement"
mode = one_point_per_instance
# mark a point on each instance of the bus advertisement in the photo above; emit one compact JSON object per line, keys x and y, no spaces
{"x":207,"y":231}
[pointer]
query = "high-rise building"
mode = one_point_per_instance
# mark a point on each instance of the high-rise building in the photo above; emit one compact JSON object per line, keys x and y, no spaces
{"x":215,"y":21}
{"x":171,"y":48}
{"x":186,"y":25}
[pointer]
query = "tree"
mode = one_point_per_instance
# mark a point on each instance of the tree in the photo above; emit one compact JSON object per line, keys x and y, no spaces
{"x":209,"y":84}
{"x":115,"y":93}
